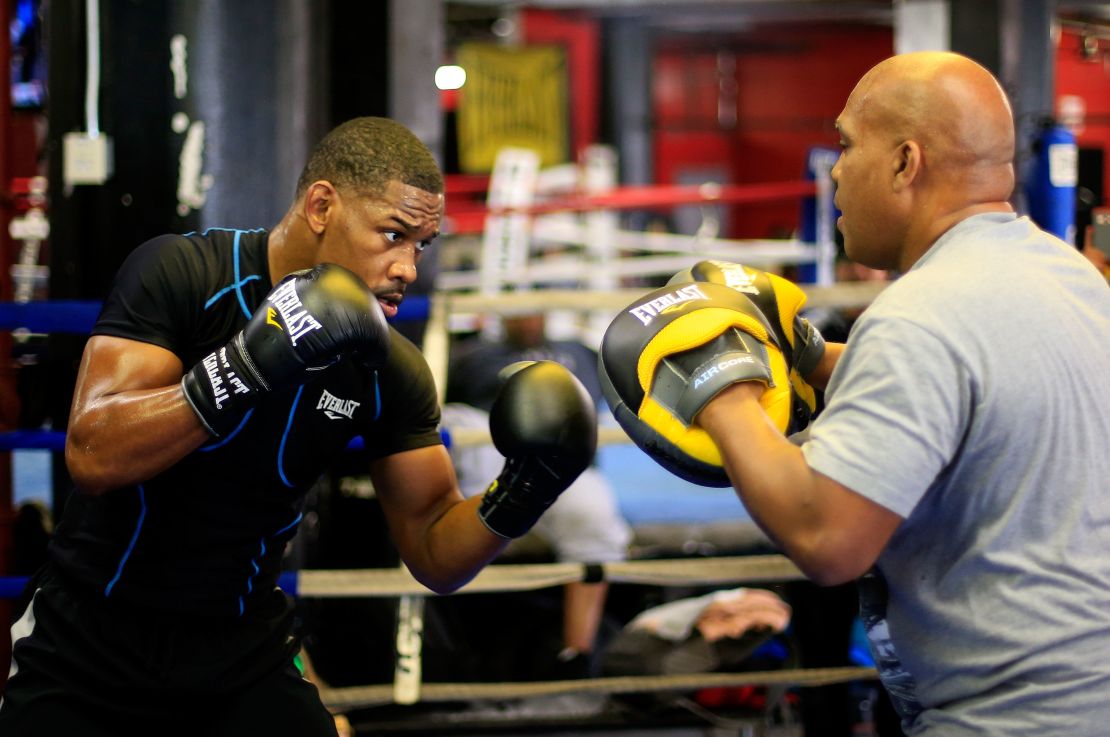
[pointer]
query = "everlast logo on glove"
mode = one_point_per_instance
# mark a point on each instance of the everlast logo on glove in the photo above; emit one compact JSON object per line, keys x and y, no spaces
{"x":297,"y":320}
{"x":737,"y":277}
{"x":212,"y":366}
{"x":334,"y":407}
{"x":651,"y":309}
{"x":219,"y":393}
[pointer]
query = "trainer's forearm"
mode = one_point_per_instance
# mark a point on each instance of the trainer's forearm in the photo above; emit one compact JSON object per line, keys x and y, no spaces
{"x":127,"y":438}
{"x":770,"y":475}
{"x":819,"y":377}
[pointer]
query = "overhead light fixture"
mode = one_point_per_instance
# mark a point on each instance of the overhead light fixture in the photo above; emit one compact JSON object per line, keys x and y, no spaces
{"x":450,"y":77}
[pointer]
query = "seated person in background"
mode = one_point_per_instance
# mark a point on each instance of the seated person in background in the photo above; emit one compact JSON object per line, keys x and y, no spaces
{"x":585,"y":525}
{"x":835,"y":322}
{"x":718,"y":631}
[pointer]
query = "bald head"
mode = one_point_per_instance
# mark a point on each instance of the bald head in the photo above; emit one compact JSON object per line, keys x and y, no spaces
{"x":953,"y":107}
{"x":927,"y":140}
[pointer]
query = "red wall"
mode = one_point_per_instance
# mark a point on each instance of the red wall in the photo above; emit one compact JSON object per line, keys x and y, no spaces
{"x":1090,"y":80}
{"x":790,"y":83}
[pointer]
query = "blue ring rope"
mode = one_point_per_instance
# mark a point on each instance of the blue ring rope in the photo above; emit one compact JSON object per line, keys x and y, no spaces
{"x":79,"y":316}
{"x":55,"y":440}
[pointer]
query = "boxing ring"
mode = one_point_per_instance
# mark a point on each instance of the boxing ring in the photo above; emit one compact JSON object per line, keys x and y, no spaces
{"x":589,"y":283}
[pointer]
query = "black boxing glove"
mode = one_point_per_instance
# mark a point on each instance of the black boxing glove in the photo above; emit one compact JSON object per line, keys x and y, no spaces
{"x":308,"y":321}
{"x":545,"y":424}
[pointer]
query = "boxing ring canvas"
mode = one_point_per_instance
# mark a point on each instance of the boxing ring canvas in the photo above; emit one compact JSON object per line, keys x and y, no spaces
{"x":649,"y":496}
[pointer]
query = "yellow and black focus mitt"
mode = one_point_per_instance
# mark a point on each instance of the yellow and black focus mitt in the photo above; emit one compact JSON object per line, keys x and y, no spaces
{"x":780,"y":301}
{"x":671,"y":351}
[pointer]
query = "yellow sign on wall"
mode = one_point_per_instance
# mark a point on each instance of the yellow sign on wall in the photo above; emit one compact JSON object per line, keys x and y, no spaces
{"x":513,"y":97}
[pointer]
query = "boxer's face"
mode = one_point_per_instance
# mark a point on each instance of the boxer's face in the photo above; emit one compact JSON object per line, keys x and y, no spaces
{"x":382,"y":237}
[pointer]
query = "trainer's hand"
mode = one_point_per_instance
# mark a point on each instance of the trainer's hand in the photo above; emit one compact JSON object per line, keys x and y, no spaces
{"x":780,"y":301}
{"x":670,"y":352}
{"x":308,"y":321}
{"x":545,"y":424}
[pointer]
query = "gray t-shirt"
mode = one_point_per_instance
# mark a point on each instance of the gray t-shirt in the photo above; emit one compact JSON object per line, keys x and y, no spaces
{"x":972,"y":400}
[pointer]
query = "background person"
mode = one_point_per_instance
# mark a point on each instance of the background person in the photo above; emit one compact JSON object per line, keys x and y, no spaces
{"x":584,"y":525}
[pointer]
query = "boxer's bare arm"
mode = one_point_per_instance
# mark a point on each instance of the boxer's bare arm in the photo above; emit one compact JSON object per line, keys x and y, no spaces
{"x":129,"y":420}
{"x":437,"y":532}
{"x":832,"y":533}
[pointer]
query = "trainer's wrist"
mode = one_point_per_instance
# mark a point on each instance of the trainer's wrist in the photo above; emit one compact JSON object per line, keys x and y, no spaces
{"x":810,"y":348}
{"x":819,"y":376}
{"x":719,"y":413}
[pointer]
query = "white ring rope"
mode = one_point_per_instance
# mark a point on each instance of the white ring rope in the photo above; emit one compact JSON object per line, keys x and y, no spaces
{"x":563,"y":269}
{"x":384,"y":582}
{"x":472,"y":437}
{"x":504,"y":577}
{"x":773,"y":251}
{"x":846,"y":294}
{"x":674,"y":252}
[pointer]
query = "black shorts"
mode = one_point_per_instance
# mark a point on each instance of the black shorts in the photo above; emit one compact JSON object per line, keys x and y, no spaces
{"x":84,"y":665}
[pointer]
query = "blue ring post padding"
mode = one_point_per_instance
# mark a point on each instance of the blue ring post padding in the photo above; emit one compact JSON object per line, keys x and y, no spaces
{"x":1050,"y":187}
{"x":33,"y":440}
{"x":807,"y":227}
{"x":414,"y":308}
{"x":11,"y":587}
{"x":56,"y":316}
{"x":287,"y":582}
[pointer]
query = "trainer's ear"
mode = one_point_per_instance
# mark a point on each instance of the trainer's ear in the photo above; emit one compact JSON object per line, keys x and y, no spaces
{"x":907,"y":164}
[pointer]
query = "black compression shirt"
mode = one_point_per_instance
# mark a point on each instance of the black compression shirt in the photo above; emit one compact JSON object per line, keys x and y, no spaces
{"x":207,"y":536}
